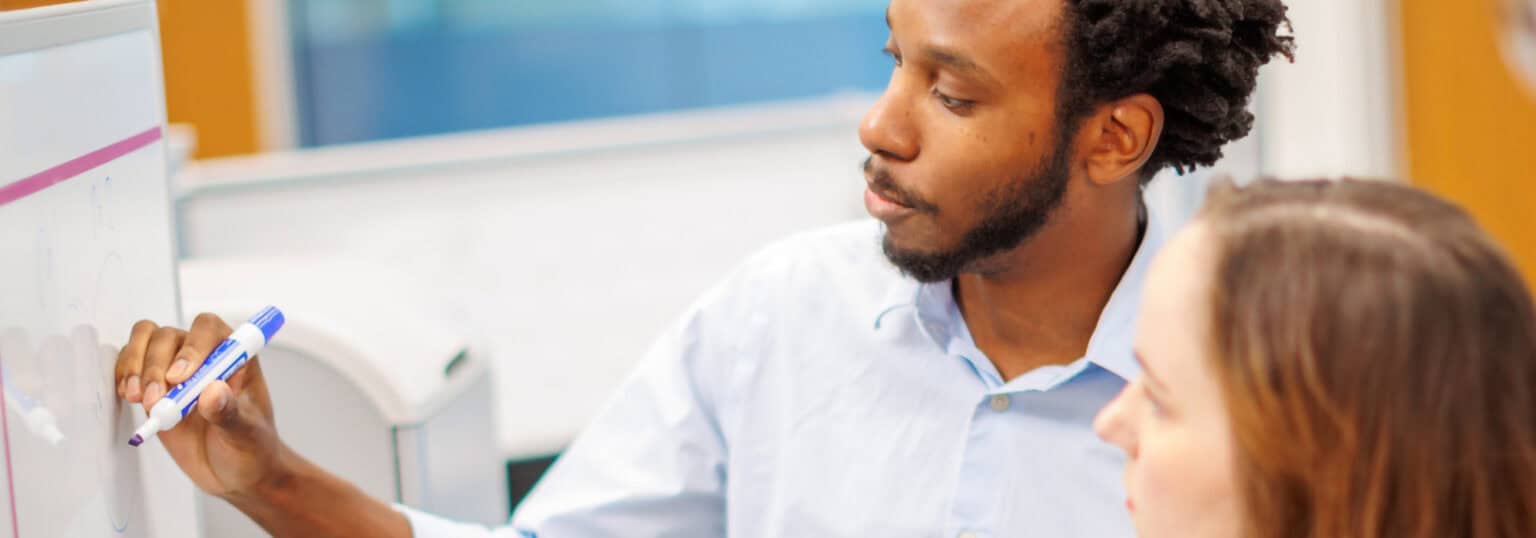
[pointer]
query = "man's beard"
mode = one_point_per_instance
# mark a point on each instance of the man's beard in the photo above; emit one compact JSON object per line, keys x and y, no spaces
{"x":1010,"y":216}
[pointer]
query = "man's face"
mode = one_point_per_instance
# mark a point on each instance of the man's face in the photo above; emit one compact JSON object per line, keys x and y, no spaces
{"x":967,"y":160}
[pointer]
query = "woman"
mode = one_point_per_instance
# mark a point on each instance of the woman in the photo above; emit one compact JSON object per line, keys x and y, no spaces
{"x":1331,"y":360}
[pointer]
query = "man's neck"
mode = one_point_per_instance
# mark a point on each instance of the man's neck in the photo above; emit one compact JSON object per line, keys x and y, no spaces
{"x":1042,"y":304}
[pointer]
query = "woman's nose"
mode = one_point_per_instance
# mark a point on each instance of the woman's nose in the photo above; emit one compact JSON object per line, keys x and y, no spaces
{"x":1113,"y":423}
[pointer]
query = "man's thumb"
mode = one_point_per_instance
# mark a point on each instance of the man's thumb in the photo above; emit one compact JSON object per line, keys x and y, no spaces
{"x":219,"y":406}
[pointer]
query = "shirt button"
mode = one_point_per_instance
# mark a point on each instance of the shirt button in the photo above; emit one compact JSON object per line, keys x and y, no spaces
{"x":1000,"y":403}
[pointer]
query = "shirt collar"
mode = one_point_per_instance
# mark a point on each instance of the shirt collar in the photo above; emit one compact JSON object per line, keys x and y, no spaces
{"x":1110,"y":347}
{"x":1111,"y":343}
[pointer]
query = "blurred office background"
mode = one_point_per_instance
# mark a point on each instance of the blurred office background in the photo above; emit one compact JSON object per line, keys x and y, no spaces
{"x":567,"y":175}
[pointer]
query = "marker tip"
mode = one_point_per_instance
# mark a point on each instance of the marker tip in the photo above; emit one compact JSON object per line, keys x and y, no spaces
{"x":136,"y":440}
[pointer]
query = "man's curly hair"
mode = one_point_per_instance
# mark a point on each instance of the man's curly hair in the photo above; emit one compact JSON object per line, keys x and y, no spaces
{"x":1199,"y":58}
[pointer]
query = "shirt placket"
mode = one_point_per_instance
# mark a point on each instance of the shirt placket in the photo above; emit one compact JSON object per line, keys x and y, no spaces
{"x":972,"y":513}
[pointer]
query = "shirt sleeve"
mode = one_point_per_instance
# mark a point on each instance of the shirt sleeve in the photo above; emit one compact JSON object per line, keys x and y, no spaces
{"x":652,"y":463}
{"x":424,"y":525}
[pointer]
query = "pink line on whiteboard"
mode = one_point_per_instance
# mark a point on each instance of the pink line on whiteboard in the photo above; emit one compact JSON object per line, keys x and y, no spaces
{"x":10,"y":476}
{"x":53,"y":176}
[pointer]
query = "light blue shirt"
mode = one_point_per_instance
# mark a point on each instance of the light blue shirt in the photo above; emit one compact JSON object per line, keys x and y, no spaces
{"x":817,"y":392}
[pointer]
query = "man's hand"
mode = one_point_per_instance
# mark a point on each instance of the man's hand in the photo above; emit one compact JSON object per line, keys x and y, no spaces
{"x":228,"y":446}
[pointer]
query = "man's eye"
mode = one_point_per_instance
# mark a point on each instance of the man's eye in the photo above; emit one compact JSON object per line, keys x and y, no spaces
{"x":956,"y":105}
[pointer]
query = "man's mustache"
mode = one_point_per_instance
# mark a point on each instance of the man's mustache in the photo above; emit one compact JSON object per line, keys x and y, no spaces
{"x":881,"y":182}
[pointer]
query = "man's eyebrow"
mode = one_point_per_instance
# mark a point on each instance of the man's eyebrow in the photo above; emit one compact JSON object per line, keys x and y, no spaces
{"x":960,"y":63}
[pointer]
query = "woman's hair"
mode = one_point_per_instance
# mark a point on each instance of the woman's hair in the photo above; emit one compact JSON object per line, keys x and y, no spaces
{"x":1377,"y":353}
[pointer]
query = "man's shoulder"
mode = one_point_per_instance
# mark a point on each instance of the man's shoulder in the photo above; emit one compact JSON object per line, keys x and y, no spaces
{"x":847,"y":249}
{"x":845,"y":260}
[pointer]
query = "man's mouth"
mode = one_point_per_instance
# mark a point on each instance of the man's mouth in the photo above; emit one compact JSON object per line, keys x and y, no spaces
{"x":883,"y":188}
{"x":886,"y":194}
{"x":882,"y":206}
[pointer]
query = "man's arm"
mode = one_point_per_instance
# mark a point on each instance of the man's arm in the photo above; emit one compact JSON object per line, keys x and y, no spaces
{"x":229,"y":446}
{"x":305,"y":500}
{"x":651,"y":464}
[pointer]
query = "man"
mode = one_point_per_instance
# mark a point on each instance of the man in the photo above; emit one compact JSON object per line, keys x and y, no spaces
{"x":933,"y":374}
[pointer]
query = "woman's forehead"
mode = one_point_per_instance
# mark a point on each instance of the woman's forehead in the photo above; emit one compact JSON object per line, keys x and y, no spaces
{"x":1172,"y":322}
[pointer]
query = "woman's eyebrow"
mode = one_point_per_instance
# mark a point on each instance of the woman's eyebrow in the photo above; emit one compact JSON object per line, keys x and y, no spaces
{"x":1147,"y":371}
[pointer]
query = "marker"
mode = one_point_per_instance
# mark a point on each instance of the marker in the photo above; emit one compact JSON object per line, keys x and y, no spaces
{"x":247,"y":341}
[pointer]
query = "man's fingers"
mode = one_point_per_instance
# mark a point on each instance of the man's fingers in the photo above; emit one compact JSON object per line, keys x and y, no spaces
{"x":163,"y":344}
{"x":242,"y":377}
{"x":131,"y":359}
{"x":208,"y":331}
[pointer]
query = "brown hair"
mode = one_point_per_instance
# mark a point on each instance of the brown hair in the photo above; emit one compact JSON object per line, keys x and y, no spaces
{"x":1377,"y":352}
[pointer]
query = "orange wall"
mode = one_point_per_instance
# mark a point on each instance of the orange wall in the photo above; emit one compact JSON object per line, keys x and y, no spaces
{"x":208,"y":72}
{"x":1471,"y":126}
{"x":209,"y":78}
{"x":21,"y":4}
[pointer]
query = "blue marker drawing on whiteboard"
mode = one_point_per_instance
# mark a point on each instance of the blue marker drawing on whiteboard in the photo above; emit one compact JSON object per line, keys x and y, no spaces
{"x":246,"y":342}
{"x":38,"y":419}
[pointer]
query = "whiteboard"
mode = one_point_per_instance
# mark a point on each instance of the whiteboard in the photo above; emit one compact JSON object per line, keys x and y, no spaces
{"x":85,"y":250}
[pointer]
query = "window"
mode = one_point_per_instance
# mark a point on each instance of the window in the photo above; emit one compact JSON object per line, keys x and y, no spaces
{"x":394,"y":68}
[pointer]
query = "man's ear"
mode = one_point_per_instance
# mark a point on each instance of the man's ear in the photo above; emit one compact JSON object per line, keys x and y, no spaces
{"x":1122,"y":136}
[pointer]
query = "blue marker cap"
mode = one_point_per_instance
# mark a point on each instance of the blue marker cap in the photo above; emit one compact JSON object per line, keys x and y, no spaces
{"x":269,"y":320}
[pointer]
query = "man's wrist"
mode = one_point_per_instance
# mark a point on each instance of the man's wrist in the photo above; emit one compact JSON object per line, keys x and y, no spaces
{"x":278,"y":487}
{"x":298,"y":498}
